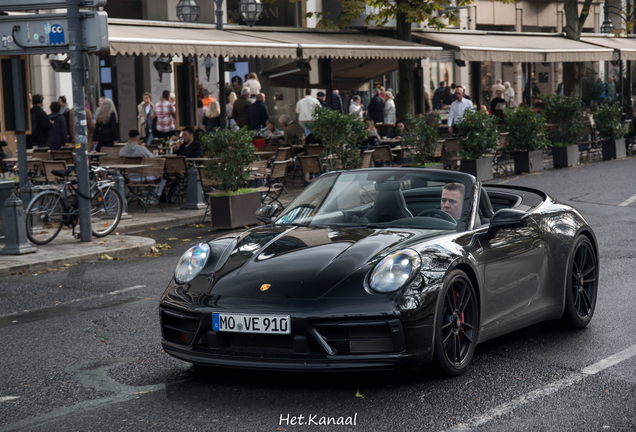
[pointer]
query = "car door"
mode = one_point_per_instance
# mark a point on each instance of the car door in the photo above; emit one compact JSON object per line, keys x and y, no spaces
{"x":512,"y":263}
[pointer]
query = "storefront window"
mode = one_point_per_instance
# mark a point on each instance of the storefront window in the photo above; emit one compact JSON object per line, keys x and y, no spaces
{"x":487,"y":80}
{"x":441,"y":71}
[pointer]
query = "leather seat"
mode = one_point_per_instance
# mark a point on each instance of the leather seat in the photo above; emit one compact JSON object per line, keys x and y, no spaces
{"x":389,"y":204}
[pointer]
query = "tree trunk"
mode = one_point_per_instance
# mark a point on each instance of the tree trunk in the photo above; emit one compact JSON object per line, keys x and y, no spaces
{"x":573,"y":27}
{"x":405,"y":95}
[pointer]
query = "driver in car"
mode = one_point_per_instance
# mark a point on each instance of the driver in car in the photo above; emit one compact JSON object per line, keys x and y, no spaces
{"x":452,"y":199}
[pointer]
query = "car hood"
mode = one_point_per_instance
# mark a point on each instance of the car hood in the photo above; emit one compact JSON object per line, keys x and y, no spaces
{"x":304,"y":262}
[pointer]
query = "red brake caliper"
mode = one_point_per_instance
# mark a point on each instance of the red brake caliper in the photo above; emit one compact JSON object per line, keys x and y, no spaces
{"x":456,"y":296}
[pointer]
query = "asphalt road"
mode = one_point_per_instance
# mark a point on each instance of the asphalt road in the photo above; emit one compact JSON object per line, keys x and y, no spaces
{"x":81,"y":351}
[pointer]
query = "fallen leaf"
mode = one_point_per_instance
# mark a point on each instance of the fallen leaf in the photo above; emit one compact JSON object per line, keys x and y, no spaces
{"x":185,"y":240}
{"x":100,"y":242}
{"x":117,"y":233}
{"x":153,"y":229}
{"x":68,"y":265}
{"x":105,"y":257}
{"x":172,"y":239}
{"x":142,"y":392}
{"x":359,"y":395}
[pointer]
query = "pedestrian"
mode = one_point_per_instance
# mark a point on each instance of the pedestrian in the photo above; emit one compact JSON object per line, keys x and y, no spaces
{"x":166,"y":115}
{"x":305,"y":110}
{"x":321,"y":96}
{"x":509,"y":95}
{"x":457,"y":109}
{"x":65,"y":110}
{"x":498,"y":105}
{"x":229,"y":104}
{"x":382,"y":92}
{"x":449,"y":96}
{"x":100,"y":101}
{"x":258,"y":114}
{"x":610,"y":88}
{"x":40,"y":124}
{"x":253,"y":84}
{"x":336,"y":102}
{"x":535,"y":91}
{"x":376,"y":107}
{"x":428,"y":106}
{"x":496,"y":86}
{"x":240,"y":110}
{"x":106,"y":126}
{"x":145,"y":115}
{"x":438,"y":96}
{"x":212,"y":118}
{"x":355,"y":107}
{"x":58,"y":136}
{"x":389,"y":109}
{"x":207,"y":98}
{"x":466,"y":96}
{"x":135,"y":147}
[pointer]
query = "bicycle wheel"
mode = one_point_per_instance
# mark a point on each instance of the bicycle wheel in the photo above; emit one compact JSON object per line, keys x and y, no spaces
{"x":106,"y":209}
{"x":45,"y":216}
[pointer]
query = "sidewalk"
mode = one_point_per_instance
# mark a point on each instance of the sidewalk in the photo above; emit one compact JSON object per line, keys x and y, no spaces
{"x":65,"y":249}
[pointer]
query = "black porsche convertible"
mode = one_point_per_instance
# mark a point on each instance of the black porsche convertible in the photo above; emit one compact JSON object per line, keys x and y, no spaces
{"x":382,"y":268}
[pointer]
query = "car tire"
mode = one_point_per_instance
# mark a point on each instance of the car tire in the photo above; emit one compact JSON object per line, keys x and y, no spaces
{"x":581,"y":285}
{"x":456,"y":324}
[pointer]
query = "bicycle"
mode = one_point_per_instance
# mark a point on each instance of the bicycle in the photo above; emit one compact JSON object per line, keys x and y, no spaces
{"x":51,"y":209}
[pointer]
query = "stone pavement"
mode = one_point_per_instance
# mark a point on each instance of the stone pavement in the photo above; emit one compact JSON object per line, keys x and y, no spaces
{"x":65,"y":249}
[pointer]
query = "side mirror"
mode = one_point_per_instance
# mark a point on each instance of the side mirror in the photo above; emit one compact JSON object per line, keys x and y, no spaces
{"x":507,"y":218}
{"x":268,"y":213}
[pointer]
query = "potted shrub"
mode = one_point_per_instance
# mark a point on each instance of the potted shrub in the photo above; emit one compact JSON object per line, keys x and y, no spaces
{"x":341,"y":134}
{"x":610,"y":131}
{"x":233,"y":151}
{"x":569,"y":121}
{"x":478,"y":134}
{"x":420,"y":140}
{"x":527,"y":137}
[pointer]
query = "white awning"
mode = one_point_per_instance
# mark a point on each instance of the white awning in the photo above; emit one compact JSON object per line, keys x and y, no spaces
{"x":135,"y":37}
{"x":624,"y":47}
{"x":515,"y":47}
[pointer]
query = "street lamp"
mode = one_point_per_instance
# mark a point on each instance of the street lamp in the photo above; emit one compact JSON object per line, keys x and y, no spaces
{"x":251,"y":11}
{"x":188,"y":11}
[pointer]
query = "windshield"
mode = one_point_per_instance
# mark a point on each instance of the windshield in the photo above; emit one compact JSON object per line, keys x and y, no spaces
{"x":421,"y":198}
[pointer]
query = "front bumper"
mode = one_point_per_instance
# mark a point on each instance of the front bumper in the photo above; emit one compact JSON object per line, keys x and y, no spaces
{"x":376,"y":336}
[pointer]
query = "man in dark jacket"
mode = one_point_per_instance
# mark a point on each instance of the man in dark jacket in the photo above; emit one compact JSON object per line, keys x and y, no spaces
{"x":58,"y":136}
{"x":336,"y":102}
{"x":257,"y":113}
{"x":376,"y":107}
{"x":190,"y":147}
{"x":240,"y":111}
{"x":40,"y":124}
{"x":437,"y":96}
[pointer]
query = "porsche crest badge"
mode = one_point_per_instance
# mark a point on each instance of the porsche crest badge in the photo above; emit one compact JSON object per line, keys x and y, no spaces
{"x":265,"y":287}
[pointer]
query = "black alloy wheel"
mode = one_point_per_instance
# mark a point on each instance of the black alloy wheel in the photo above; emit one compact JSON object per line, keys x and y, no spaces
{"x":457,"y":324}
{"x":582,"y":284}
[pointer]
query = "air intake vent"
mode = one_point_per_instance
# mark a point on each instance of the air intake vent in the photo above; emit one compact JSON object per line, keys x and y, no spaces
{"x":179,"y":327}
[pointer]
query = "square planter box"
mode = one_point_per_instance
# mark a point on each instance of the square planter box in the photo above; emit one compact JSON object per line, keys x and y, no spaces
{"x":565,"y":156}
{"x":480,"y":168}
{"x":528,"y":161}
{"x":234,"y":211}
{"x":614,"y":149}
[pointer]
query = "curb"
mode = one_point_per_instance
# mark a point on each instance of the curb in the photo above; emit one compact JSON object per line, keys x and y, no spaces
{"x":136,"y":246}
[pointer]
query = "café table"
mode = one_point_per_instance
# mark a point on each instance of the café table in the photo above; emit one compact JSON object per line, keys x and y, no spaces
{"x":264,"y":154}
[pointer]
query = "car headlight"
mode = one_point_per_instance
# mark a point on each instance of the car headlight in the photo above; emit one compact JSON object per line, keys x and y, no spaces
{"x":192,"y":262}
{"x":395,"y":271}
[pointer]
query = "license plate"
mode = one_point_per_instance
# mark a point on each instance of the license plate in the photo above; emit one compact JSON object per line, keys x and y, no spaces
{"x":242,"y":323}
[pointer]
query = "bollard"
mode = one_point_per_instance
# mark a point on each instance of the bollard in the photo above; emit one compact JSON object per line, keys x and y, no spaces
{"x":15,"y":241}
{"x":120,"y":184}
{"x":195,"y":192}
{"x":6,"y":190}
{"x":27,"y":194}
